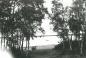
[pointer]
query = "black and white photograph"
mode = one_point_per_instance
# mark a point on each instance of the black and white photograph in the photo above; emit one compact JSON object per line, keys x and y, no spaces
{"x":42,"y":28}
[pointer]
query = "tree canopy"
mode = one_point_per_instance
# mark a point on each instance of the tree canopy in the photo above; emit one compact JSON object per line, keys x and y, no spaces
{"x":69,"y":23}
{"x":23,"y":15}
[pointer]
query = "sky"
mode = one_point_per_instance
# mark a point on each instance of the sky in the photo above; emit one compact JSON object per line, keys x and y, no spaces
{"x":53,"y":40}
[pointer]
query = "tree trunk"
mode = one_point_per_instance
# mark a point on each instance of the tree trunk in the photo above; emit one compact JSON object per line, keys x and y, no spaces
{"x":7,"y":40}
{"x":1,"y":41}
{"x":63,"y":45}
{"x":81,"y":46}
{"x":70,"y":43}
{"x":28,"y":44}
{"x":17,"y":40}
{"x":22,"y":44}
{"x":4,"y":40}
{"x":28,"y":38}
{"x":12,"y":39}
{"x":27,"y":41}
{"x":81,"y":49}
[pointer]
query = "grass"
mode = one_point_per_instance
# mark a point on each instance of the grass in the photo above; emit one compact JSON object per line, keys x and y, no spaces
{"x":52,"y":54}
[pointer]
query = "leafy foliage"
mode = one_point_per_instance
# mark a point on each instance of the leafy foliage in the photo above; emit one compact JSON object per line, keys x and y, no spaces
{"x":58,"y":19}
{"x":70,"y":20}
{"x":75,"y":25}
{"x":25,"y":16}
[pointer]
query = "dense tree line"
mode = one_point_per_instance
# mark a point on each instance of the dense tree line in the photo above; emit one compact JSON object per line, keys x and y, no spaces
{"x":23,"y":16}
{"x":19,"y":21}
{"x":69,"y":23}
